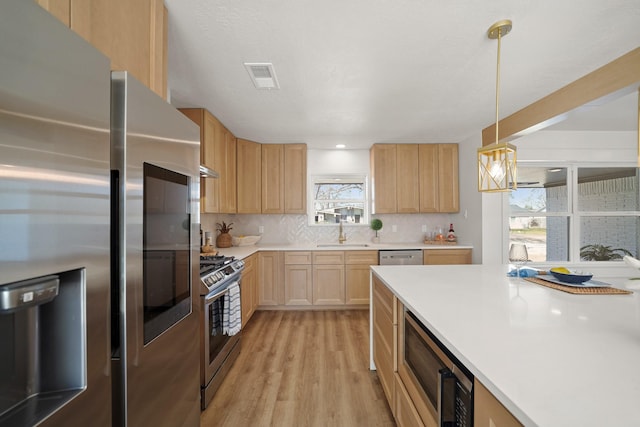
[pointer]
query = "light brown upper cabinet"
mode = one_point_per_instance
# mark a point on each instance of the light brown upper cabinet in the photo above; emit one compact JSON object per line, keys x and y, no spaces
{"x":133,"y":34}
{"x":249,"y":160}
{"x":438,"y":178}
{"x":407,"y":169}
{"x":228,"y":193}
{"x":218,"y":152}
{"x":272,"y":178}
{"x":383,"y":178}
{"x":413,"y":178}
{"x":284,"y":178}
{"x":295,"y":178}
{"x":61,"y":9}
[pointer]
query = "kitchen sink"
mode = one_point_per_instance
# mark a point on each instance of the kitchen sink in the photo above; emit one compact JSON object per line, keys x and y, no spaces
{"x":343,"y":245}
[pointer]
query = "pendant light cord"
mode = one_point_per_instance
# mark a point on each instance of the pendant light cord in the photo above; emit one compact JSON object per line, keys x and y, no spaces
{"x":498,"y":83}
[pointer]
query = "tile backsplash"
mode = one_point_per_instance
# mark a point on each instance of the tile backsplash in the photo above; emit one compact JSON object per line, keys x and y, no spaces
{"x":292,"y":229}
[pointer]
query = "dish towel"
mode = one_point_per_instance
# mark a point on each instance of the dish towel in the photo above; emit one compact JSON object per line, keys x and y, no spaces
{"x":231,"y":320}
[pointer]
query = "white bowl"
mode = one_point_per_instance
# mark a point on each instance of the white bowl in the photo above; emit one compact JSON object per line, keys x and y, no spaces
{"x":244,"y":240}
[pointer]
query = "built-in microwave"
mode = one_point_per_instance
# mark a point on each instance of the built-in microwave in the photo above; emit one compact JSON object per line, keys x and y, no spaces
{"x":442,"y":387}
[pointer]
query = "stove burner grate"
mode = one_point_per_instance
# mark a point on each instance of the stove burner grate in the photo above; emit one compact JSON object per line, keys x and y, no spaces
{"x":209,"y":263}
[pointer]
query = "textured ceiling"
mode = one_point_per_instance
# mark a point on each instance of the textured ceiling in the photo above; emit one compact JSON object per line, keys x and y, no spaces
{"x":359,"y":72}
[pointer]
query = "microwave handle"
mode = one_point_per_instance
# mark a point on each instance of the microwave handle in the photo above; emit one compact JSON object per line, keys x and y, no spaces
{"x":446,"y":398}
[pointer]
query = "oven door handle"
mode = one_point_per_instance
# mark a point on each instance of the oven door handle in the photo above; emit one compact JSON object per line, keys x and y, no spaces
{"x":446,"y":398}
{"x":210,"y":298}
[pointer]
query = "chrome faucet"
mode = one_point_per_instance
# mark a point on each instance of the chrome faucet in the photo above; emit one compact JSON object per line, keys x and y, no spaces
{"x":342,"y":237}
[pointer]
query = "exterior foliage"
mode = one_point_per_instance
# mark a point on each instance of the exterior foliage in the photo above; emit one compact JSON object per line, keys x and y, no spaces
{"x":602,"y":253}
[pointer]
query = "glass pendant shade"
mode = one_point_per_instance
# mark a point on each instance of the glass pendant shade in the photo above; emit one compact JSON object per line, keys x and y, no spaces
{"x":497,"y":168}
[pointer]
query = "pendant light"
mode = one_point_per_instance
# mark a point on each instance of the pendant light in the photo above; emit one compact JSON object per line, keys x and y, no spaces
{"x":497,"y":162}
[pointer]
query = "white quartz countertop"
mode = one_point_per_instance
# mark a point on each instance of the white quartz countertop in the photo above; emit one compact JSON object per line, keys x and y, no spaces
{"x":245,"y":251}
{"x":551,"y":358}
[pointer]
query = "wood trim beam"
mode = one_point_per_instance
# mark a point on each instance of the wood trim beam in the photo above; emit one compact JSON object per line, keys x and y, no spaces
{"x":618,"y":77}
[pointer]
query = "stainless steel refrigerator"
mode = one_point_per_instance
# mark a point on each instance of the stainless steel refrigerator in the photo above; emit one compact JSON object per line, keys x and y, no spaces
{"x":155,"y":152}
{"x":55,"y":365}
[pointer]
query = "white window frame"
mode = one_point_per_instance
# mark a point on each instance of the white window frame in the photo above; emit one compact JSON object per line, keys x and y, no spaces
{"x":345,"y":178}
{"x":574,"y":216}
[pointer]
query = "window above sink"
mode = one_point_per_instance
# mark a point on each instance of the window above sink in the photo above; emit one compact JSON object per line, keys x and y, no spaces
{"x":336,"y":198}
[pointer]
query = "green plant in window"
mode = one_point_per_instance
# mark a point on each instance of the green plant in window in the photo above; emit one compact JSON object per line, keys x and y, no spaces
{"x":598,"y":252}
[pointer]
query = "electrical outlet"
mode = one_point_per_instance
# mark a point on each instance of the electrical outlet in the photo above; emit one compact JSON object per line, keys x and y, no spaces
{"x":260,"y":229}
{"x":394,"y":228}
{"x":424,"y":228}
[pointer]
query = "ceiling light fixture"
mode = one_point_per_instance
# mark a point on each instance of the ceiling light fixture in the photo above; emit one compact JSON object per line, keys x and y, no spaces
{"x":497,"y":162}
{"x":341,"y":146}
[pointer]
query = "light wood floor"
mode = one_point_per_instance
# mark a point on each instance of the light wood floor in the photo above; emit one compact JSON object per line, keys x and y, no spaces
{"x":302,"y":368}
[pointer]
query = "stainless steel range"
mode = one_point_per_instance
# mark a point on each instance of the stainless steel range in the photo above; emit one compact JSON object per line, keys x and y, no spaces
{"x":219,"y":334}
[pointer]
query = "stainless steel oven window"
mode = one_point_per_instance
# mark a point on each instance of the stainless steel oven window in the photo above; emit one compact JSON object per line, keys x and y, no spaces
{"x":216,"y":339}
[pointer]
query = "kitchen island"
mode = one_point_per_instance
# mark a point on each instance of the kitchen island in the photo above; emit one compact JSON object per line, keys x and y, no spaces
{"x":551,"y":358}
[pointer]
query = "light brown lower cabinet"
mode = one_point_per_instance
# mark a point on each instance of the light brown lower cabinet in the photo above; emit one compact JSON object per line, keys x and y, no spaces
{"x":298,"y":283}
{"x":357,"y":275}
{"x":385,"y":338}
{"x":327,"y":278}
{"x":446,"y":256}
{"x":328,"y":284}
{"x":405,"y":412}
{"x":249,"y":288}
{"x":488,"y":411}
{"x":271,"y":286}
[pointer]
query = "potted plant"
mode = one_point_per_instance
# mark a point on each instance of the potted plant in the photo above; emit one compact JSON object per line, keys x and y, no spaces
{"x":376,"y":224}
{"x":224,"y":238}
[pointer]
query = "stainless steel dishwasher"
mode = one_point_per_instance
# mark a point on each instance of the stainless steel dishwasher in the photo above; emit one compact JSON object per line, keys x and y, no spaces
{"x":400,"y":257}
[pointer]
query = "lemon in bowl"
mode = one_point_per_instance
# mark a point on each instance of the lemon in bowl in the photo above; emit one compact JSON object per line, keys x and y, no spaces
{"x":569,"y":276}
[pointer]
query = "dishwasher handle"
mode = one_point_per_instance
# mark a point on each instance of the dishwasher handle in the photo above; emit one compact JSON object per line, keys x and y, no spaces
{"x":401,"y":257}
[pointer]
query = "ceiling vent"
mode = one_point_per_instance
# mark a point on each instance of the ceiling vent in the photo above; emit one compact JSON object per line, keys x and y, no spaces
{"x":263,"y":75}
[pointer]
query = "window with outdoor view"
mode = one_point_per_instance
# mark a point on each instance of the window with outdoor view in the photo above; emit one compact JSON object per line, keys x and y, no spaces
{"x":574,"y":213}
{"x":339,"y":198}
